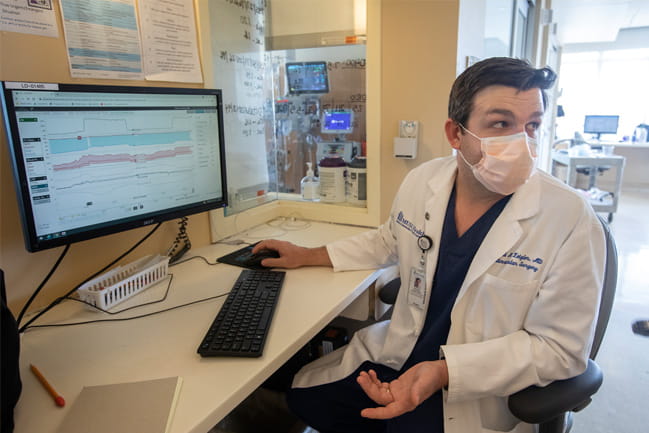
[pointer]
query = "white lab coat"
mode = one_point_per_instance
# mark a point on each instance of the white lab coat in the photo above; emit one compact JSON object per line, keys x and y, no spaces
{"x":524,"y":315}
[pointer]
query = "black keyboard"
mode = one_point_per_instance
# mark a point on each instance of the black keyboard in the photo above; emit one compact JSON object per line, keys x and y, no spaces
{"x":241,"y":326}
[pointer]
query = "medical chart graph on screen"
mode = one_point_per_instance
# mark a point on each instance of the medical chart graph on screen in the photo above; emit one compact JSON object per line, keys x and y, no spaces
{"x":100,"y":165}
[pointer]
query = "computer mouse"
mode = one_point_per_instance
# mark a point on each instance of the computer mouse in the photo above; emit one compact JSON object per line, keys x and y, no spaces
{"x":254,"y":261}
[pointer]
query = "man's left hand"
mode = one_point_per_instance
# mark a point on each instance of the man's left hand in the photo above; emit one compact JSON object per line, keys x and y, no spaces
{"x":405,"y":393}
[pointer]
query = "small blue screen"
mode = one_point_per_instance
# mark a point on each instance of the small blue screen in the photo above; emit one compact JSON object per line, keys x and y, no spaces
{"x":337,"y":122}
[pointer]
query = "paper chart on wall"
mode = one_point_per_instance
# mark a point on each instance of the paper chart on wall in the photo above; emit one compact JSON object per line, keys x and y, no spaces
{"x":169,"y":40}
{"x":102,"y":39}
{"x":34,"y":17}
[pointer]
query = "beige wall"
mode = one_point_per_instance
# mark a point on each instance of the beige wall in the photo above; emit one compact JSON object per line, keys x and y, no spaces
{"x":418,"y":56}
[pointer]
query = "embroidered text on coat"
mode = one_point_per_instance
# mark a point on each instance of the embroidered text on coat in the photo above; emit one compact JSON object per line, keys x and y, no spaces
{"x":408,"y":225}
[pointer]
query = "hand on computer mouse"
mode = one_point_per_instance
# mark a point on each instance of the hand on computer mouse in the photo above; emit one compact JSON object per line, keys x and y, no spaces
{"x":292,"y":256}
{"x":255,"y":259}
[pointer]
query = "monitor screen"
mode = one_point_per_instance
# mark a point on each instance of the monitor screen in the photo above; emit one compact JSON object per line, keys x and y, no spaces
{"x":307,"y":77}
{"x":596,"y":124}
{"x":337,"y":121}
{"x":94,"y":160}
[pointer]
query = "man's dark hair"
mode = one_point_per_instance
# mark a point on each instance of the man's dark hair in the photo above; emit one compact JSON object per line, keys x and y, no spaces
{"x":503,"y":71}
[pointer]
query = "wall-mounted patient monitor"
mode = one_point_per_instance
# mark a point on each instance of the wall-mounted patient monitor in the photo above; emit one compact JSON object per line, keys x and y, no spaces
{"x":598,"y":124}
{"x":94,"y":160}
{"x":337,"y":121}
{"x":307,"y":77}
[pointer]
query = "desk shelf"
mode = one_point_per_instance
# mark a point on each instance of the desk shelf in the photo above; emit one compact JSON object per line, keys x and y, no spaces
{"x":593,"y":163}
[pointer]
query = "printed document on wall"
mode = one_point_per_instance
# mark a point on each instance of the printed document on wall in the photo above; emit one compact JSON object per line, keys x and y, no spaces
{"x":102,"y":39}
{"x":169,"y":40}
{"x":34,"y":17}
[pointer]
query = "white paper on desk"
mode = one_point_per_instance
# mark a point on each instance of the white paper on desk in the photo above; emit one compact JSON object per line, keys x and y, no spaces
{"x":102,"y":39}
{"x":35,"y":17}
{"x":169,"y":41}
{"x":135,"y":407}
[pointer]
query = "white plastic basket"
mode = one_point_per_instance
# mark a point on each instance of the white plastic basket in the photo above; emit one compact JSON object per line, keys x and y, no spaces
{"x":119,"y":284}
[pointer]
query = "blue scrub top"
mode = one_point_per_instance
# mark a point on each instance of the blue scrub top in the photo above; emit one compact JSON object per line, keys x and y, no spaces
{"x":455,"y":257}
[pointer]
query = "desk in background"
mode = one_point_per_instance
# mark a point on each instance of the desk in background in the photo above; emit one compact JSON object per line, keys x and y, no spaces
{"x":165,"y":344}
{"x":593,"y":163}
{"x":636,"y":174}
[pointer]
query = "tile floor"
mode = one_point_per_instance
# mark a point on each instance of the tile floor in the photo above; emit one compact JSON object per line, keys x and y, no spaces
{"x":622,"y":404}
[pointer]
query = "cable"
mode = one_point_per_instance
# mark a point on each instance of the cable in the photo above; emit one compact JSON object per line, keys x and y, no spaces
{"x":134,"y":306}
{"x":58,"y":325}
{"x":196,"y":257}
{"x":293,"y":222}
{"x":177,"y":250}
{"x":40,"y":286}
{"x":59,"y":299}
{"x":249,"y":233}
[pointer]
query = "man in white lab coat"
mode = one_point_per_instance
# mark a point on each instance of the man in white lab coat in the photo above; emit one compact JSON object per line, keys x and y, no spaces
{"x":513,"y":264}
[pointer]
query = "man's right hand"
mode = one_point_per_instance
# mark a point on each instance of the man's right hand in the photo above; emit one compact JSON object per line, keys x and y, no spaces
{"x":292,"y":256}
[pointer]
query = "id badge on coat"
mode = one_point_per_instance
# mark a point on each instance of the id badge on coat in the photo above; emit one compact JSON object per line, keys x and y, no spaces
{"x":417,"y":288}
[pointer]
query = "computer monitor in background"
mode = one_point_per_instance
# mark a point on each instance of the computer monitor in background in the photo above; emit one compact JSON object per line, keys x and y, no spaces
{"x":598,"y":125}
{"x":337,"y":121}
{"x":307,"y":77}
{"x":93,"y":160}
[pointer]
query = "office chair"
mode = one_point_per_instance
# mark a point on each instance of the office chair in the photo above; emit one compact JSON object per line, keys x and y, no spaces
{"x":551,"y":407}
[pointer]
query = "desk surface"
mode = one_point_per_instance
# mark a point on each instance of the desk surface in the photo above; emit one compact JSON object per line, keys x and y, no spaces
{"x":165,"y":344}
{"x":567,"y":158}
{"x":619,"y":144}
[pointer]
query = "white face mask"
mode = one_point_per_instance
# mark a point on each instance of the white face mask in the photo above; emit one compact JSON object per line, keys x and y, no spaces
{"x":507,"y":162}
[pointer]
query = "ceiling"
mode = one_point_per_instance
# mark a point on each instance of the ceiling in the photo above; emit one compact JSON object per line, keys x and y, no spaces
{"x":583,"y":21}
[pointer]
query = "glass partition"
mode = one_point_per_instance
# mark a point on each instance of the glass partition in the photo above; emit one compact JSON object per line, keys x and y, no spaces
{"x":272,"y":129}
{"x":301,"y":137}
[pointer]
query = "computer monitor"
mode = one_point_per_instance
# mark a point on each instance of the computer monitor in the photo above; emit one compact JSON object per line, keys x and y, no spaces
{"x":307,"y":77}
{"x":337,"y":121}
{"x":597,"y":124}
{"x":93,"y":160}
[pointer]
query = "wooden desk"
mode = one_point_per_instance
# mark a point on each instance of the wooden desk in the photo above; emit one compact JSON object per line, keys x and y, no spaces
{"x":165,"y":344}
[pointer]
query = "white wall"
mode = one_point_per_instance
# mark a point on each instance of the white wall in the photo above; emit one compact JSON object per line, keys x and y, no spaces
{"x":471,"y":31}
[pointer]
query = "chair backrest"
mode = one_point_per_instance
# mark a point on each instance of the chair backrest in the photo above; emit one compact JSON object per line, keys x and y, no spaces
{"x":551,"y":406}
{"x":608,"y":289}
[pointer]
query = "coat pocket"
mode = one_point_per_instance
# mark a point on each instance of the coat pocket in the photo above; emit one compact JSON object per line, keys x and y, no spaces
{"x":498,"y":307}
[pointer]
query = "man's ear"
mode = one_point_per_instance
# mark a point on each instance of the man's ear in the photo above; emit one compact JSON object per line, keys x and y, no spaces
{"x":453,"y":133}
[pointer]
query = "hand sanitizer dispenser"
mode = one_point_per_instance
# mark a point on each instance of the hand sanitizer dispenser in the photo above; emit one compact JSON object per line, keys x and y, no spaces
{"x":310,"y":185}
{"x":405,"y":145}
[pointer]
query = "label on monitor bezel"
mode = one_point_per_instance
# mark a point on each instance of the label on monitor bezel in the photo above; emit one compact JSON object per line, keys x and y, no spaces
{"x":30,"y":86}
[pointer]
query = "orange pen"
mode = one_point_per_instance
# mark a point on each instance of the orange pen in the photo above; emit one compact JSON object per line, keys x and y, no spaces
{"x":55,"y":395}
